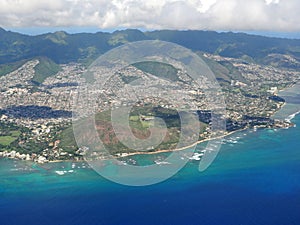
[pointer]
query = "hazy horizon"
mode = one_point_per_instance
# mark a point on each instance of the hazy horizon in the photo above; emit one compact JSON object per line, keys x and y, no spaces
{"x":73,"y":30}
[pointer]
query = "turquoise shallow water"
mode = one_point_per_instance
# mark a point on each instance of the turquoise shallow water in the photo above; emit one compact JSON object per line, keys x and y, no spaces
{"x":254,"y":180}
{"x":292,"y":98}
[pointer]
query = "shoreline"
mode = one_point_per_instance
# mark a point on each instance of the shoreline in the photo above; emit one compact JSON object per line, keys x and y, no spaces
{"x":291,"y":115}
{"x":288,"y":119}
{"x":137,"y":153}
{"x":182,"y":148}
{"x":146,"y":153}
{"x":149,"y":153}
{"x":154,"y":152}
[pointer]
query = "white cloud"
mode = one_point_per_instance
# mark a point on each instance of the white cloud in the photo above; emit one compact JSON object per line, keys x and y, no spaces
{"x":276,"y":15}
{"x":272,"y":1}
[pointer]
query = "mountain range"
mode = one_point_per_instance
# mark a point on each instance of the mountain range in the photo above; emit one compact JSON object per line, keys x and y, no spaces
{"x":61,"y":47}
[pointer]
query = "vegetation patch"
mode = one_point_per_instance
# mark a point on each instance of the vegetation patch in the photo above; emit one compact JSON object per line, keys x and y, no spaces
{"x":46,"y":68}
{"x":10,"y":67}
{"x":7,"y":140}
{"x":8,"y":135}
{"x":158,"y":69}
{"x":140,"y":120}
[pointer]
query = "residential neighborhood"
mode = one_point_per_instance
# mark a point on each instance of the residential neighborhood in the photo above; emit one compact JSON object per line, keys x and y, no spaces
{"x":44,"y":110}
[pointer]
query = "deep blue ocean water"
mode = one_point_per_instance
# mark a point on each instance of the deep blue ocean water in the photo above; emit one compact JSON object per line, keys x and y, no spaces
{"x":255,"y":180}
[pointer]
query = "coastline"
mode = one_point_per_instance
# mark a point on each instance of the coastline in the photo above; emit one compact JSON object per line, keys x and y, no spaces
{"x":252,"y":168}
{"x":182,"y":148}
{"x":289,"y":109}
{"x":140,"y":153}
{"x":154,"y":152}
{"x":286,"y":118}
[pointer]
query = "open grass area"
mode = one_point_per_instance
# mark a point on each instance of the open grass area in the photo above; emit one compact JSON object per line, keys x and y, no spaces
{"x":15,"y":133}
{"x":9,"y":137}
{"x":7,"y":140}
{"x":134,"y":118}
{"x":136,"y":122}
{"x":146,"y":124}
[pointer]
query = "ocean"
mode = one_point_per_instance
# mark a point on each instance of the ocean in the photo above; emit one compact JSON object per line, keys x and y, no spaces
{"x":255,"y":180}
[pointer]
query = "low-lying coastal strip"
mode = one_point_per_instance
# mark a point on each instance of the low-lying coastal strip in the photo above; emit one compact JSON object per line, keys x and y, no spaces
{"x":43,"y":159}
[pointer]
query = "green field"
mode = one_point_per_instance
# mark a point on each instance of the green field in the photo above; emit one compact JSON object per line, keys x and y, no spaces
{"x":8,"y":135}
{"x":7,"y":140}
{"x":136,"y":122}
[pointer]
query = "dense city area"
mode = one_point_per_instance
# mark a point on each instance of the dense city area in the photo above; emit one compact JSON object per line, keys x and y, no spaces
{"x":34,"y":116}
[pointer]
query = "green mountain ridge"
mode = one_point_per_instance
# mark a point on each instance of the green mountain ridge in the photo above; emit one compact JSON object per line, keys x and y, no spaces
{"x":62,"y":47}
{"x":45,"y":69}
{"x":10,"y":67}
